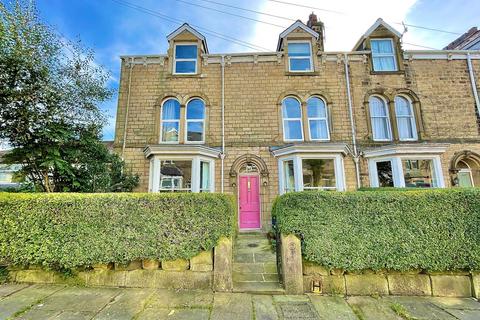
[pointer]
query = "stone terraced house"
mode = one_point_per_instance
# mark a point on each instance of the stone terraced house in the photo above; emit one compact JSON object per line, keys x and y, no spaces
{"x":261,"y":124}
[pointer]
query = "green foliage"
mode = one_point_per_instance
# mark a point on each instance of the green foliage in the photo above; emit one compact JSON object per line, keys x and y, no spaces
{"x":72,"y":230}
{"x":49,"y":96}
{"x":436,"y":230}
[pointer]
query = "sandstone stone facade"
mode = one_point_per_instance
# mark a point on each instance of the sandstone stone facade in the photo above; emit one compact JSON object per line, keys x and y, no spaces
{"x":437,"y":83}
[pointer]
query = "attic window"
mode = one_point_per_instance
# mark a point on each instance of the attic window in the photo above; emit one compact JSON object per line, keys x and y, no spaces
{"x":185,"y":59}
{"x":383,"y":55}
{"x":300,"y":56}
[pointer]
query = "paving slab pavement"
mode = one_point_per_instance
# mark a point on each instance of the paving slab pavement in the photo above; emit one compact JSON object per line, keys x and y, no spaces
{"x":38,"y":302}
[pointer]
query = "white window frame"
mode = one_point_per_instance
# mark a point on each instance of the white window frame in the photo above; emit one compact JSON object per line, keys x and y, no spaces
{"x":298,"y":58}
{"x":184,"y":59}
{"x":316,"y":119}
{"x":398,"y":172}
{"x":162,"y":122}
{"x":195,"y":187}
{"x":195,"y":120}
{"x":380,"y":55}
{"x":411,"y":118}
{"x":284,"y":120}
{"x":339,"y":170}
{"x":387,"y":116}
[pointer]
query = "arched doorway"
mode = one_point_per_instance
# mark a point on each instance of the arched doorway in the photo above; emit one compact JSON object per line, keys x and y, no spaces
{"x":465,"y":169}
{"x":249,"y":179}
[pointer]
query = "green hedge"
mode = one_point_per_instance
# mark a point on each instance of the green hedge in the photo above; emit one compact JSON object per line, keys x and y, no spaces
{"x":70,"y":230}
{"x":437,"y":230}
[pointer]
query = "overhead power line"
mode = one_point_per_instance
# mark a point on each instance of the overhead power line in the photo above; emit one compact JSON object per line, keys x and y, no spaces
{"x":307,"y":7}
{"x":346,"y":13}
{"x":231,"y":14}
{"x":420,"y":46}
{"x":249,"y":10}
{"x":180,"y":22}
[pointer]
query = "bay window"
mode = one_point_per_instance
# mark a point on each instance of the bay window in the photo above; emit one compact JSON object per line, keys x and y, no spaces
{"x":311,"y":172}
{"x":410,"y":171}
{"x":176,"y":173}
{"x":318,"y":174}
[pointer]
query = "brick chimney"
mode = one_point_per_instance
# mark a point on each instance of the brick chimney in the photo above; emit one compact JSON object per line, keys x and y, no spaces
{"x":317,"y":26}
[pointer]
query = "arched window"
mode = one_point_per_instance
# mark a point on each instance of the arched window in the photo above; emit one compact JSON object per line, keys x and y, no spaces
{"x":195,"y":124}
{"x":407,"y":129}
{"x":170,"y":124}
{"x":317,"y":119}
{"x":292,"y":119}
{"x":380,"y":119}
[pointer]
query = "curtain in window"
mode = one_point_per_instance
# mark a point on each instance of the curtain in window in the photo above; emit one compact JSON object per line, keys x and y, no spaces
{"x":379,"y":118}
{"x":383,"y":55}
{"x":170,"y":120}
{"x":292,"y":119}
{"x":405,"y":119}
{"x":317,"y":119}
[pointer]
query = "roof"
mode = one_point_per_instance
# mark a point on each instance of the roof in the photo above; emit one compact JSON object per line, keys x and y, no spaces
{"x":468,"y":40}
{"x":187,"y":27}
{"x":295,"y":25}
{"x":374,"y":27}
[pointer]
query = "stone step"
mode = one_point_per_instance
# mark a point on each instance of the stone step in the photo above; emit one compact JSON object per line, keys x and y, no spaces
{"x":258,"y":287}
{"x":254,"y":257}
{"x":255,"y":277}
{"x":269,"y":267}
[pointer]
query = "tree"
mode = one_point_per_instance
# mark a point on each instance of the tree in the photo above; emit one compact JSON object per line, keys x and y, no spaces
{"x":49,"y":96}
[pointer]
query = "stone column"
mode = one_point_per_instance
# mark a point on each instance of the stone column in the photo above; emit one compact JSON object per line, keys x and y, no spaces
{"x":222,"y":266}
{"x":292,"y":264}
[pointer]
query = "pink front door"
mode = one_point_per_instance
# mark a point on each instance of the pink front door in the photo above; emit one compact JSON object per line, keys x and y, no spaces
{"x":249,"y":202}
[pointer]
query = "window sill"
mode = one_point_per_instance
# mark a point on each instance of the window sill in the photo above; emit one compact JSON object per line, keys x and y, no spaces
{"x":179,"y":75}
{"x":398,"y":72}
{"x":307,"y":73}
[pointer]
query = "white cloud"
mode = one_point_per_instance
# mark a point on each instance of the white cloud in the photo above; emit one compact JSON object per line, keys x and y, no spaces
{"x":341,"y":30}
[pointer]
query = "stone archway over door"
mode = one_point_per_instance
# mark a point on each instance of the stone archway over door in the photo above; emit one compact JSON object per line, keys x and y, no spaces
{"x":465,"y":169}
{"x":249,"y":179}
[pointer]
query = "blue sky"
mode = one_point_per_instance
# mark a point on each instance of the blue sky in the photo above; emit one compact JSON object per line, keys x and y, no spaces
{"x":113,"y":30}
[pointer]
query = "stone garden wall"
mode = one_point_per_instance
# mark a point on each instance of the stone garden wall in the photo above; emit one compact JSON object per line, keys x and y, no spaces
{"x":195,"y":273}
{"x":303,"y":276}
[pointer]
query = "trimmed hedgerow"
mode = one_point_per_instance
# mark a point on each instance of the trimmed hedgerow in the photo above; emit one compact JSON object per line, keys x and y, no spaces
{"x":437,"y":230}
{"x":70,"y":230}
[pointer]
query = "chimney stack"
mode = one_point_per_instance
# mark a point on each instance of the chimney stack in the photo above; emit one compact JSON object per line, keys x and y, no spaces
{"x":317,"y":26}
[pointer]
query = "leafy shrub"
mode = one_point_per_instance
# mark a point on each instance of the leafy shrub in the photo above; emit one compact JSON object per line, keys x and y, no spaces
{"x":436,"y":230}
{"x":69,"y":230}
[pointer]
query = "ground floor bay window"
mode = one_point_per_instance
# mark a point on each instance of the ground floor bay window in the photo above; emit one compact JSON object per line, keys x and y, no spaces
{"x":400,"y":167}
{"x":303,"y":168}
{"x":181,"y":169}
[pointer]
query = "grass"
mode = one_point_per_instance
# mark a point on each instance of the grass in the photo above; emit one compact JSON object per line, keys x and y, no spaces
{"x":401,"y":311}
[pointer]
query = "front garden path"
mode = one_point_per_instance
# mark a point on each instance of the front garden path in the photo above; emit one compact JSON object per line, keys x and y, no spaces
{"x":37,"y":302}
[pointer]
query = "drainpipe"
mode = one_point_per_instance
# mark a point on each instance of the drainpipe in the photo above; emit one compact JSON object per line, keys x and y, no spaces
{"x":472,"y":80}
{"x":222,"y":155}
{"x":352,"y":122}
{"x":128,"y":105}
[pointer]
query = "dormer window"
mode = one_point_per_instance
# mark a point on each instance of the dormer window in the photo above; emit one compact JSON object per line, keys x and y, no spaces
{"x":300,"y":56}
{"x":185,"y":59}
{"x":383,"y":55}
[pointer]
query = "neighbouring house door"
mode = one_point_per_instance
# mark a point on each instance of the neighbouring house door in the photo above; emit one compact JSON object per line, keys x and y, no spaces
{"x":249,"y":202}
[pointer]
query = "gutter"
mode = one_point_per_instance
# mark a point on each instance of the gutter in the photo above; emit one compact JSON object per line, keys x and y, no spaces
{"x":126,"y":110}
{"x":222,"y":154}
{"x":356,"y":156}
{"x":472,"y":81}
